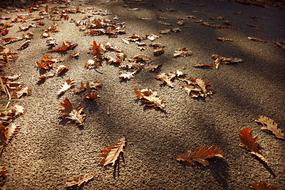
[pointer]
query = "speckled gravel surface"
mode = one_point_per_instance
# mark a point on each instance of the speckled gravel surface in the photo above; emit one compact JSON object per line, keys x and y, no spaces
{"x":44,"y":152}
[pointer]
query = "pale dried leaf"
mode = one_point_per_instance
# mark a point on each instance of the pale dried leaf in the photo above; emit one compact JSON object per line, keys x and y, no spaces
{"x":150,"y":98}
{"x":111,"y":154}
{"x":269,"y":125}
{"x":69,"y":83}
{"x":78,"y":181}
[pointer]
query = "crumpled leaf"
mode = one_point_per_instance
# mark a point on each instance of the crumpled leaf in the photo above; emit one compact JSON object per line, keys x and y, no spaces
{"x":3,"y":171}
{"x":223,"y":39}
{"x":182,"y":52}
{"x":256,"y":39}
{"x":203,"y":66}
{"x":152,"y":67}
{"x":127,"y":75}
{"x":200,"y":155}
{"x":68,"y":112}
{"x":158,"y":51}
{"x":7,"y":132}
{"x":250,"y":143}
{"x":66,"y":46}
{"x":21,"y":91}
{"x":197,"y":87}
{"x":141,"y":58}
{"x":69,"y":83}
{"x":152,"y":37}
{"x":168,"y":78}
{"x":262,"y":185}
{"x":269,"y":125}
{"x":78,"y":181}
{"x":61,"y":69}
{"x":97,"y":49}
{"x":24,"y":45}
{"x":47,"y":62}
{"x":220,"y":60}
{"x":150,"y":98}
{"x":111,"y":154}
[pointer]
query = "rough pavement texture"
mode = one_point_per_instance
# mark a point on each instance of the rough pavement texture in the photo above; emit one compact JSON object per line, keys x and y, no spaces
{"x":44,"y":152}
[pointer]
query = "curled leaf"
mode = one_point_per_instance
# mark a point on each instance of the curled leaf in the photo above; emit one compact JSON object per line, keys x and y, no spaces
{"x":200,"y":155}
{"x":69,"y":83}
{"x":7,"y":132}
{"x":150,"y":98}
{"x":262,"y":185}
{"x":269,"y":125}
{"x":111,"y":154}
{"x":78,"y":181}
{"x":182,"y":52}
{"x":68,"y":112}
{"x":66,"y":46}
{"x":250,"y":143}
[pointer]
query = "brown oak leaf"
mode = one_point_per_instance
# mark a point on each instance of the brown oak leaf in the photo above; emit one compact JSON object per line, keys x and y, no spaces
{"x":150,"y":98}
{"x":200,"y":155}
{"x":269,"y":125}
{"x":79,"y":180}
{"x":66,"y":46}
{"x":197,"y":87}
{"x":250,"y":143}
{"x":262,"y":185}
{"x":182,"y":52}
{"x":7,"y":132}
{"x":68,"y":112}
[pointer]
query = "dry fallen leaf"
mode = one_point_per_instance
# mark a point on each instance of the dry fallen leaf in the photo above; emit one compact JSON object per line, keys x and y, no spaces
{"x":262,"y":185}
{"x":158,"y":51}
{"x":269,"y":125}
{"x":97,"y":49}
{"x":69,"y":83}
{"x":24,"y":45}
{"x":200,"y":155}
{"x":127,"y":75}
{"x":197,"y":87}
{"x":168,"y":78}
{"x":182,"y":52}
{"x":78,"y":181}
{"x":256,"y":39}
{"x":152,"y":37}
{"x":68,"y":112}
{"x":223,"y":39}
{"x":140,"y":59}
{"x":61,"y":69}
{"x":21,"y":91}
{"x":220,"y":60}
{"x":150,"y":98}
{"x":3,"y":171}
{"x":7,"y":132}
{"x":111,"y":154}
{"x":151,"y":67}
{"x":203,"y":66}
{"x":66,"y":46}
{"x":250,"y":143}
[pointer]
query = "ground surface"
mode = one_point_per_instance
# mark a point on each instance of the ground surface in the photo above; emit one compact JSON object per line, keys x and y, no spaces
{"x":44,"y":152}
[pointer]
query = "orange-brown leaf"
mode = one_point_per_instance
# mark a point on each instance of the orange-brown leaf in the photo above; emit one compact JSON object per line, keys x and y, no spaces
{"x":78,"y":181}
{"x":111,"y":154}
{"x":64,"y":47}
{"x":262,"y":185}
{"x":248,"y":141}
{"x":200,"y":155}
